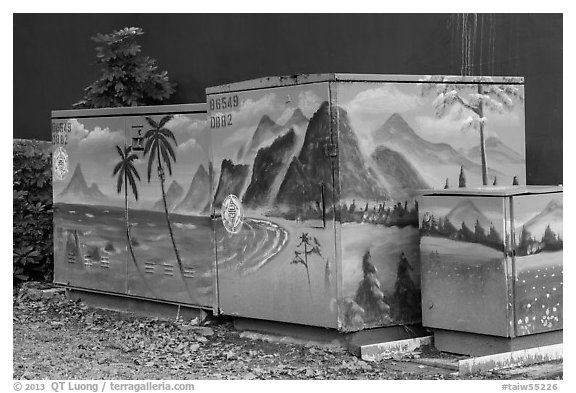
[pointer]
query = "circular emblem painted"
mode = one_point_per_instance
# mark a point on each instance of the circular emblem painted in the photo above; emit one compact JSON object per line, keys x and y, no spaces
{"x":232,"y":214}
{"x":60,"y":163}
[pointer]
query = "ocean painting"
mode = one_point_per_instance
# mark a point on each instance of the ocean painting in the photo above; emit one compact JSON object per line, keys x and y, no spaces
{"x":302,"y":197}
{"x":268,"y":152}
{"x":131,"y":215}
{"x":332,"y":169}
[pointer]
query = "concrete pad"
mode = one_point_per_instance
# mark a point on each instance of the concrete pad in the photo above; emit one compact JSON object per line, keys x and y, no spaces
{"x":375,"y":352}
{"x":510,"y":359}
{"x":553,"y":370}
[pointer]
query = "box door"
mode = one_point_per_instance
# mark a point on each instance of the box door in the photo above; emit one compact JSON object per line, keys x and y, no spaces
{"x":89,"y":213}
{"x":170,"y":253}
{"x":538,"y":244}
{"x":464,"y":271}
{"x":273,"y":204}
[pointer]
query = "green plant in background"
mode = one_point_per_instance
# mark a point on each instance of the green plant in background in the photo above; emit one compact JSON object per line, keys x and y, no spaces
{"x":128,"y":77}
{"x":32,"y":211}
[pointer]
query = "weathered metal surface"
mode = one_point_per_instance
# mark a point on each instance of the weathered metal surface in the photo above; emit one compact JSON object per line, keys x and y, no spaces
{"x":510,"y":359}
{"x":464,"y":284}
{"x":391,"y":143}
{"x":89,"y":232}
{"x":170,"y":222}
{"x":516,"y":279}
{"x":300,"y":79}
{"x":369,"y":143}
{"x":274,"y":204}
{"x":130,"y":111}
{"x":376,"y":352}
{"x":538,"y":260}
{"x":112,"y":232}
{"x":530,"y":282}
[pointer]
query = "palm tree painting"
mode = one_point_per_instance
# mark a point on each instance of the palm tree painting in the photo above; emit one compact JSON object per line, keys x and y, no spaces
{"x":158,"y":147}
{"x":309,"y":248}
{"x":127,"y":174}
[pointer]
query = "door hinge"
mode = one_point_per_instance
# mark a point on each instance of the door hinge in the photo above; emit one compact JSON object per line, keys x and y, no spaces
{"x":331,"y":150}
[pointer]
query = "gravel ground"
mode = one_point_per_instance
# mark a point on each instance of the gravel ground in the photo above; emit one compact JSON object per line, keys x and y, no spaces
{"x":56,"y":338}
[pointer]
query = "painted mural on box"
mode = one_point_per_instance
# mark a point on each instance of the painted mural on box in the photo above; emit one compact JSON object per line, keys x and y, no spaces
{"x":133,"y":202}
{"x":268,"y":153}
{"x":538,"y":226}
{"x":463,"y":264}
{"x":395,"y":138}
{"x":89,"y":251}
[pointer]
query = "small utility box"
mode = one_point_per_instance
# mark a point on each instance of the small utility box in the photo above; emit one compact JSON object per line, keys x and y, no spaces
{"x":491,"y":261}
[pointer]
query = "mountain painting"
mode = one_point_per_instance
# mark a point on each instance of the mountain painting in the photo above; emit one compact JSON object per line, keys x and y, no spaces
{"x":131,"y":215}
{"x":327,"y":168}
{"x":463,"y":264}
{"x":480,"y":250}
{"x":299,"y":192}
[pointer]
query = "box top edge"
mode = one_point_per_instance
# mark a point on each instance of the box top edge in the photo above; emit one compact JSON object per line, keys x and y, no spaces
{"x":297,"y":79}
{"x":134,"y":110}
{"x":492,"y":191}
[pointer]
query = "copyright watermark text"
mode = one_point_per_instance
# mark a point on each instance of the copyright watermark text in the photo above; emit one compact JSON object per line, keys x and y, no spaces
{"x":529,"y":386}
{"x":102,"y":386}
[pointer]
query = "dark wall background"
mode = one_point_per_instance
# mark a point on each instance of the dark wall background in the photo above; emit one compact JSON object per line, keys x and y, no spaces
{"x":54,"y":58}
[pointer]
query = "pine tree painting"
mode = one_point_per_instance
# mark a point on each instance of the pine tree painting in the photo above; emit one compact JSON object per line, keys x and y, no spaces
{"x":478,"y":99}
{"x":369,"y":295}
{"x":462,"y":178}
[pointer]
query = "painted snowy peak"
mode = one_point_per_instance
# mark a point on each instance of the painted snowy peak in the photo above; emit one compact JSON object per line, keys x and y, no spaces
{"x":198,"y":195}
{"x":551,"y":215}
{"x":173,"y":195}
{"x":434,"y":161}
{"x":356,"y":178}
{"x":309,"y":170}
{"x":298,"y":118}
{"x":266,"y":130}
{"x":77,"y":189}
{"x":397,"y":134}
{"x":466,"y":211}
{"x":497,"y":151}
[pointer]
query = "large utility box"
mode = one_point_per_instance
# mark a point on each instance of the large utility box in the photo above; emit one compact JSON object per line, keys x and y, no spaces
{"x":315,"y":180}
{"x":132,"y":202}
{"x":492,"y":267}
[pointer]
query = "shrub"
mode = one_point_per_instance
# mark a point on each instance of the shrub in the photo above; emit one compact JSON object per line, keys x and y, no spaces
{"x":128,"y":77}
{"x":32,"y":211}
